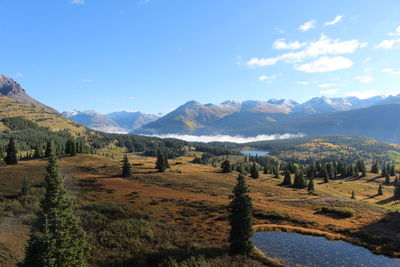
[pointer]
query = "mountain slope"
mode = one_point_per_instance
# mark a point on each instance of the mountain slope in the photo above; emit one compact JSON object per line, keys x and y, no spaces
{"x":95,"y":121}
{"x":10,"y":88}
{"x":130,"y":121}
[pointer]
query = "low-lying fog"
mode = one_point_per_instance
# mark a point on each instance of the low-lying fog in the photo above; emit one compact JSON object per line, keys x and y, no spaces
{"x":229,"y":138}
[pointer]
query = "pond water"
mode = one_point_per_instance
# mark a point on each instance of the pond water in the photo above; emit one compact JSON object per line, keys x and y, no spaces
{"x":305,"y":250}
{"x":254,"y":153}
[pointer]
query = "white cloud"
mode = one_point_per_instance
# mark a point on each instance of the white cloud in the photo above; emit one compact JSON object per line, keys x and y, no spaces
{"x":363,"y":94}
{"x":19,"y":75}
{"x":87,"y":80}
{"x":396,"y":32}
{"x":313,"y":49}
{"x":324,"y":85}
{"x":325,"y":64}
{"x":334,"y":21}
{"x":387,"y":44}
{"x":306,"y":26}
{"x":302,"y":83}
{"x":391,"y":71}
{"x":229,"y":138}
{"x":279,"y":30}
{"x":281,"y":44}
{"x":78,"y":2}
{"x":364,"y":79}
{"x":329,"y":92}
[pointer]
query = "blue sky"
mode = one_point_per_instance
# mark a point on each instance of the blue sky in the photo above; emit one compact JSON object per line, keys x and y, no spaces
{"x":155,"y":55}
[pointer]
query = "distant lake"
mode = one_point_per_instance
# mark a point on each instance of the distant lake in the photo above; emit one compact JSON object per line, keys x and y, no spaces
{"x":315,"y":251}
{"x":254,"y":153}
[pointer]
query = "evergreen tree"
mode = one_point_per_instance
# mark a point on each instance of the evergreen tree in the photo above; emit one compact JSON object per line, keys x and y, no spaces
{"x":363,"y":171}
{"x":392,"y":170}
{"x":375,"y":168}
{"x":226,"y":166}
{"x":396,"y":193}
{"x":299,"y":181}
{"x":310,"y":186}
{"x":162,"y":162}
{"x":387,"y":179}
{"x":254,"y":171}
{"x":326,"y":178}
{"x":240,"y":219}
{"x":48,"y":148}
{"x":126,"y":167}
{"x":287,"y":180}
{"x":380,"y":191}
{"x":384,"y":171}
{"x":37,"y":152}
{"x":396,"y":181}
{"x":62,"y":240}
{"x":11,"y":158}
{"x":353,"y":195}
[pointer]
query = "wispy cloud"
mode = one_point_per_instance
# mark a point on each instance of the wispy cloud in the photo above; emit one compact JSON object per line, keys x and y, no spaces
{"x":390,"y":43}
{"x":78,"y":2}
{"x":325,"y":85}
{"x":306,"y":26}
{"x":391,"y":71}
{"x":19,"y":75}
{"x":325,"y":64}
{"x":334,"y":21}
{"x":282,"y":44}
{"x":229,"y":138}
{"x":364,"y":79}
{"x":87,"y":80}
{"x":329,"y":92}
{"x":302,"y":83}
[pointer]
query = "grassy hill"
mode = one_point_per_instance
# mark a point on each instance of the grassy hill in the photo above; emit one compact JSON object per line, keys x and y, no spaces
{"x":10,"y":107}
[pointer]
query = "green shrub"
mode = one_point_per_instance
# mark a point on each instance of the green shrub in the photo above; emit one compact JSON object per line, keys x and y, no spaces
{"x":108,"y":209}
{"x":126,"y":234}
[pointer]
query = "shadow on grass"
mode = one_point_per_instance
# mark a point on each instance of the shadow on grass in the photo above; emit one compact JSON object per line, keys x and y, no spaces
{"x":385,"y":201}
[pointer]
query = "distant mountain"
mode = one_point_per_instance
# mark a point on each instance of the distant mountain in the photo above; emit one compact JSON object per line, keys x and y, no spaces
{"x":94,"y":120}
{"x":130,"y":121}
{"x":116,"y":122}
{"x":10,"y":88}
{"x":189,"y":117}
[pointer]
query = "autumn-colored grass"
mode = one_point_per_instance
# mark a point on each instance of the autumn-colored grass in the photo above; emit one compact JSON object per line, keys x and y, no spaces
{"x":189,"y":201}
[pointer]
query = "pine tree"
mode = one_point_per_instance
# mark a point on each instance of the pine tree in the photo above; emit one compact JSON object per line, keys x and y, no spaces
{"x":162,"y":162}
{"x":287,"y":180}
{"x":380,"y":191}
{"x":276,"y":172}
{"x":310,"y":186}
{"x":353,"y":195}
{"x":392,"y":170}
{"x":387,"y":179}
{"x":240,"y":219}
{"x":11,"y":158}
{"x":48,"y":147}
{"x":396,"y":181}
{"x":326,"y":178}
{"x":62,"y":241}
{"x":299,"y":181}
{"x":254,"y":171}
{"x":396,"y":192}
{"x":375,"y":168}
{"x":126,"y":167}
{"x":226,"y":166}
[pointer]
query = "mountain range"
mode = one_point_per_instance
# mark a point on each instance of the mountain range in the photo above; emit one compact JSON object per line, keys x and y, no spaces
{"x":376,"y":117}
{"x":116,"y":122}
